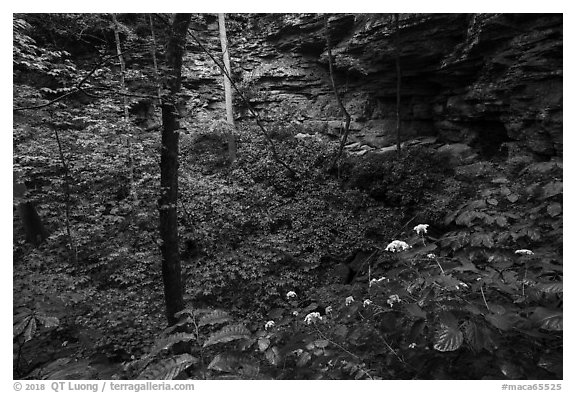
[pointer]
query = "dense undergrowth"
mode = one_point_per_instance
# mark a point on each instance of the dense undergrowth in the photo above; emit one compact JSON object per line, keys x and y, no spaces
{"x":458,"y":304}
{"x":287,"y":276}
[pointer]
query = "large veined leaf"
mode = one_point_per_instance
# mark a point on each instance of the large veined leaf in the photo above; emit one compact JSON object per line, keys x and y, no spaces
{"x":21,"y":325}
{"x":224,"y":363}
{"x":214,"y":318}
{"x":230,"y":363}
{"x":273,"y":356}
{"x":448,"y":339}
{"x":169,"y":341}
{"x":227,"y":334}
{"x":169,"y":368}
{"x":65,"y":368}
{"x":48,"y":322}
{"x":177,"y":325}
{"x":550,"y":287}
{"x":548,"y":319}
{"x":30,"y":330}
{"x":477,"y":337}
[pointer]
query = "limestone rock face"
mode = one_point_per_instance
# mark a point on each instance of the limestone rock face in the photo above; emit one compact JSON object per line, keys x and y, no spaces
{"x":486,"y":80}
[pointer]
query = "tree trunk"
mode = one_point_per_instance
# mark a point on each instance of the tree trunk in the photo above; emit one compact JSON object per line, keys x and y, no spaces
{"x":31,"y":222}
{"x":398,"y":78}
{"x":171,"y":270}
{"x":125,"y":102}
{"x":227,"y":87}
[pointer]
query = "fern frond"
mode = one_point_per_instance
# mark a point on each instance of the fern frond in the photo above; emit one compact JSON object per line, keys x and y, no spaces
{"x":214,"y":318}
{"x":169,"y":368}
{"x":227,"y":334}
{"x":169,"y":341}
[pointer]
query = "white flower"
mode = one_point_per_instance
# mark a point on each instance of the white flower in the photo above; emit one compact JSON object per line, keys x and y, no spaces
{"x":413,"y":345}
{"x":431,"y":256}
{"x":376,"y":281}
{"x":397,"y":245}
{"x":392,"y":299}
{"x":312,"y":318}
{"x":328,"y":310}
{"x":295,"y":313}
{"x":461,"y":284}
{"x":367,"y":302}
{"x":421,"y":228}
{"x":349,"y":300}
{"x":290,"y":294}
{"x":523,"y":252}
{"x":269,"y":324}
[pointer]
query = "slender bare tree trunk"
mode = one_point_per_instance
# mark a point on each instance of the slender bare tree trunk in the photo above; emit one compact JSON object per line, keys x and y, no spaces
{"x":251,"y":109}
{"x":154,"y":60}
{"x":338,"y":99}
{"x":227,"y":87}
{"x":398,"y":78}
{"x":125,"y":101}
{"x":73,"y":248}
{"x":171,"y":269}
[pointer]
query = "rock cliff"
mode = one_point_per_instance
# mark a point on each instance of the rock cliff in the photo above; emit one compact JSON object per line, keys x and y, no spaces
{"x":493,"y":81}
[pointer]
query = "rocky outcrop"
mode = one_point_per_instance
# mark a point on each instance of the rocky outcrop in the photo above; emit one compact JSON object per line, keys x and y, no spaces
{"x":492,"y":81}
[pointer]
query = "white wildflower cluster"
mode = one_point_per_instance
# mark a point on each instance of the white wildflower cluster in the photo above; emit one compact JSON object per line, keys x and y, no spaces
{"x":393,"y":299}
{"x":328,"y":310}
{"x":290,"y":295}
{"x":397,"y":246}
{"x":461,"y":285}
{"x":312,"y":318}
{"x":523,"y":252}
{"x":411,"y":346}
{"x":421,"y":228}
{"x":431,"y":256}
{"x":349,"y":300}
{"x":269,"y":325}
{"x":376,"y":281}
{"x":295,"y":313}
{"x":367,"y":302}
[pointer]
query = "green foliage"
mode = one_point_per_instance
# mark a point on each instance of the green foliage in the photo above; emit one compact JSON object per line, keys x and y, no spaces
{"x":253,"y":231}
{"x":256,"y":231}
{"x":227,"y":334}
{"x":399,"y":181}
{"x":169,"y":368}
